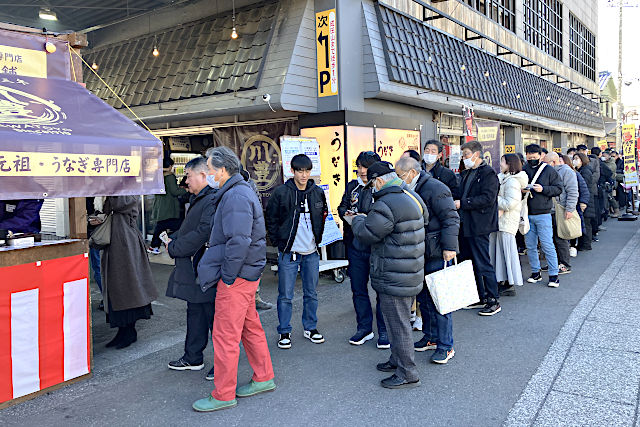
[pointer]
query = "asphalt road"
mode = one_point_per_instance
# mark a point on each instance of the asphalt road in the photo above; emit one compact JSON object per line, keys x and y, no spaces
{"x":332,"y":383}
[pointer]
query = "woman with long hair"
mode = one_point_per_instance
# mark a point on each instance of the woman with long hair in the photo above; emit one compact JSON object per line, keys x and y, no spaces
{"x":502,"y":243}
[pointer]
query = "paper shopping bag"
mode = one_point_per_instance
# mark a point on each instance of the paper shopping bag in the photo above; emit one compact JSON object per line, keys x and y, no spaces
{"x":453,"y":288}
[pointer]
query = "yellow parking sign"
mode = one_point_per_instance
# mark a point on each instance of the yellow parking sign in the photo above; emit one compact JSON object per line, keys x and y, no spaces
{"x":327,"y":53}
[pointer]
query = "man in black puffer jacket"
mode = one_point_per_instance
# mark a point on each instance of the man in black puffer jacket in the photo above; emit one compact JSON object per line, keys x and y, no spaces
{"x":478,"y":209}
{"x":395,"y":229}
{"x":441,"y":244}
{"x":295,"y":221}
{"x":540,"y":201}
{"x":359,"y":199}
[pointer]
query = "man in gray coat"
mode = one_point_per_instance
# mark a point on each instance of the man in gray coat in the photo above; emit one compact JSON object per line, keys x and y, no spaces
{"x":186,"y":246}
{"x":395,"y":230}
{"x":568,"y":199}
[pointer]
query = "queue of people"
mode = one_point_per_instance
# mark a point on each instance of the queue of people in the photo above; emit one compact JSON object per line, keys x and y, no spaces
{"x":401,"y":223}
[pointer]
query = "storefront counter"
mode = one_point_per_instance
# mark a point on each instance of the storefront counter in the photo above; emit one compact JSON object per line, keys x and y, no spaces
{"x":45,"y":322}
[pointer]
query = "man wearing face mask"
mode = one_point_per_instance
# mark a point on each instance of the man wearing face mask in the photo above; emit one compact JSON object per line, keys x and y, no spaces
{"x":540,"y":202}
{"x":395,"y":229}
{"x":441,"y":245}
{"x":432,"y":159}
{"x":358,"y":199}
{"x":478,"y":209}
{"x":186,"y":246}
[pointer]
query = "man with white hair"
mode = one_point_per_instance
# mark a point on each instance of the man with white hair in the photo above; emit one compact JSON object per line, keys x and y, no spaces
{"x":394,"y":228}
{"x":441,"y":245}
{"x":234,"y":262}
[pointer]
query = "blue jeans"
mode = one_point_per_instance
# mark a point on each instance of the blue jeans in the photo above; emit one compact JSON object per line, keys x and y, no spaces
{"x":94,"y":259}
{"x":359,"y":276}
{"x":541,"y":228}
{"x":436,"y":327}
{"x":287,"y":273}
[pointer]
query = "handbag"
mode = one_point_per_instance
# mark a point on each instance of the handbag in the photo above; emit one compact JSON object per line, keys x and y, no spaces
{"x":101,"y":236}
{"x":524,"y":226}
{"x":567,"y":228}
{"x":453,"y":287}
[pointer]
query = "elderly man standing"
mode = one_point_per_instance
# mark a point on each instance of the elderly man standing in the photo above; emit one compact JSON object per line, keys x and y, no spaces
{"x":568,"y":199}
{"x":395,"y":229}
{"x":441,"y":245}
{"x":234,"y":262}
{"x":186,"y":247}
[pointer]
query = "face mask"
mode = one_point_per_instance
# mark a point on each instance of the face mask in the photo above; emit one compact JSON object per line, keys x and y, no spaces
{"x":533,"y":162}
{"x":360,"y":181}
{"x":577,"y":164}
{"x":469,"y":163}
{"x":430,"y":158}
{"x":414,"y":182}
{"x":212,"y":182}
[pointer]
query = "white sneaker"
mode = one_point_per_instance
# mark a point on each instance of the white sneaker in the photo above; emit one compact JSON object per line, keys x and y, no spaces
{"x":417,"y":325}
{"x":413,"y":317}
{"x":573,"y":252}
{"x":154,"y":251}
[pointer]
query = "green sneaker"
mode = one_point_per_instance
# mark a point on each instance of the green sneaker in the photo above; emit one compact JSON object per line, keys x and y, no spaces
{"x":254,"y":388}
{"x":210,"y":403}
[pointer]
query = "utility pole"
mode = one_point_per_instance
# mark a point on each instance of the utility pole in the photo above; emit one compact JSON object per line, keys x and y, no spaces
{"x":620,"y":106}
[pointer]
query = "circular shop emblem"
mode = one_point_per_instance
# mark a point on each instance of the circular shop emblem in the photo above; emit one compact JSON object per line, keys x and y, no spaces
{"x":261,"y":157}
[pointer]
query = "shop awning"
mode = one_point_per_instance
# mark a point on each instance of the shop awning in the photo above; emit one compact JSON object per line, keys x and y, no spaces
{"x":59,"y":140}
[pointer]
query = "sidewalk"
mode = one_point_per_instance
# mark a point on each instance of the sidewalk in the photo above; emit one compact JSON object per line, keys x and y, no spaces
{"x":591,"y":374}
{"x":531,"y":355}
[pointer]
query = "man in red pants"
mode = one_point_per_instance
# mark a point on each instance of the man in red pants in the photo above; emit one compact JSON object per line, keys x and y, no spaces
{"x":234,"y":263}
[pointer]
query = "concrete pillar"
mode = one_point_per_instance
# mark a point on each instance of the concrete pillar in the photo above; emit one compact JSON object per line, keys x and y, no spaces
{"x":513,"y":136}
{"x":560,"y":140}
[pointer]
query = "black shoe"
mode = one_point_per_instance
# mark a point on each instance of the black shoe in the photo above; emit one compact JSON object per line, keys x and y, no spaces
{"x":129,"y":337}
{"x":545,"y":268}
{"x":595,"y":239}
{"x":314,"y":336}
{"x":209,"y":376}
{"x":553,"y":282}
{"x":284,"y":341}
{"x":424,"y":344}
{"x":490,"y":309}
{"x":396,"y":382}
{"x":116,"y":340}
{"x":535,"y":277}
{"x":508,"y":291}
{"x":479,"y":304}
{"x":564,"y":269}
{"x":361,"y":337}
{"x":183,"y":365}
{"x":386,"y":367}
{"x":101,"y":306}
{"x":522,"y":251}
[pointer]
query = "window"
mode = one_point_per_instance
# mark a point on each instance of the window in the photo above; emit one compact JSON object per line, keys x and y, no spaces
{"x":543,"y":25}
{"x":582,"y":48}
{"x":501,"y":11}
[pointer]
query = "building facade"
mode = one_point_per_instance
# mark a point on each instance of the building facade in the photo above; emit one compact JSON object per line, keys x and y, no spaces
{"x":355,"y":74}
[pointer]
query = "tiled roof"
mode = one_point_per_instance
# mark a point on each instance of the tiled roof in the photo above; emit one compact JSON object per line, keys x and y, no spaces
{"x":603,"y":77}
{"x":420,"y":55}
{"x":196,"y":59}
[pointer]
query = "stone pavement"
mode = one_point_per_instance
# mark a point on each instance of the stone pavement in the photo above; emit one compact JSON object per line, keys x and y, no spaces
{"x":524,"y":357}
{"x":591,"y":374}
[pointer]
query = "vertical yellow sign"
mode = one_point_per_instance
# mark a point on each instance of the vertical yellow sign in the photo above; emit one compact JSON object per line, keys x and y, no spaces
{"x":327,"y":53}
{"x":359,"y":139}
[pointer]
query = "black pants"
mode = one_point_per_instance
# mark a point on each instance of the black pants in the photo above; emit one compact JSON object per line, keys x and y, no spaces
{"x":584,"y":242}
{"x":477,"y":248}
{"x":520,"y":240}
{"x":562,"y":246}
{"x":621,"y":195}
{"x":172,"y":224}
{"x":199,"y":325}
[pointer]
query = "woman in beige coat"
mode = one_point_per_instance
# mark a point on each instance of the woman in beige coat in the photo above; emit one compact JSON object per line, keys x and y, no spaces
{"x":502,"y":244}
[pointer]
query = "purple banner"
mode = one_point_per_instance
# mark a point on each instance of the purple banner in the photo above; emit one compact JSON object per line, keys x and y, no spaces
{"x":59,"y":140}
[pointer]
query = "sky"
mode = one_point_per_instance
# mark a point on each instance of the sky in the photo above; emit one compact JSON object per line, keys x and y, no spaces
{"x":607,"y":45}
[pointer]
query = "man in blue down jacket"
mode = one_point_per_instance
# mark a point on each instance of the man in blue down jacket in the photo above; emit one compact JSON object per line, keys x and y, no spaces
{"x":395,"y":229}
{"x":441,"y":245}
{"x":186,"y":246}
{"x":234,"y":262}
{"x":21,"y":216}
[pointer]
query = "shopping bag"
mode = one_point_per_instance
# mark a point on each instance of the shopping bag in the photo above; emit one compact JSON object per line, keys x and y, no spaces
{"x":524,"y":226}
{"x":567,"y":228}
{"x":453,"y":287}
{"x":101,"y":236}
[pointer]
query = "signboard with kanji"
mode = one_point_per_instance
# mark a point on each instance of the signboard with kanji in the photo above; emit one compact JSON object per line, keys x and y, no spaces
{"x":327,"y":52}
